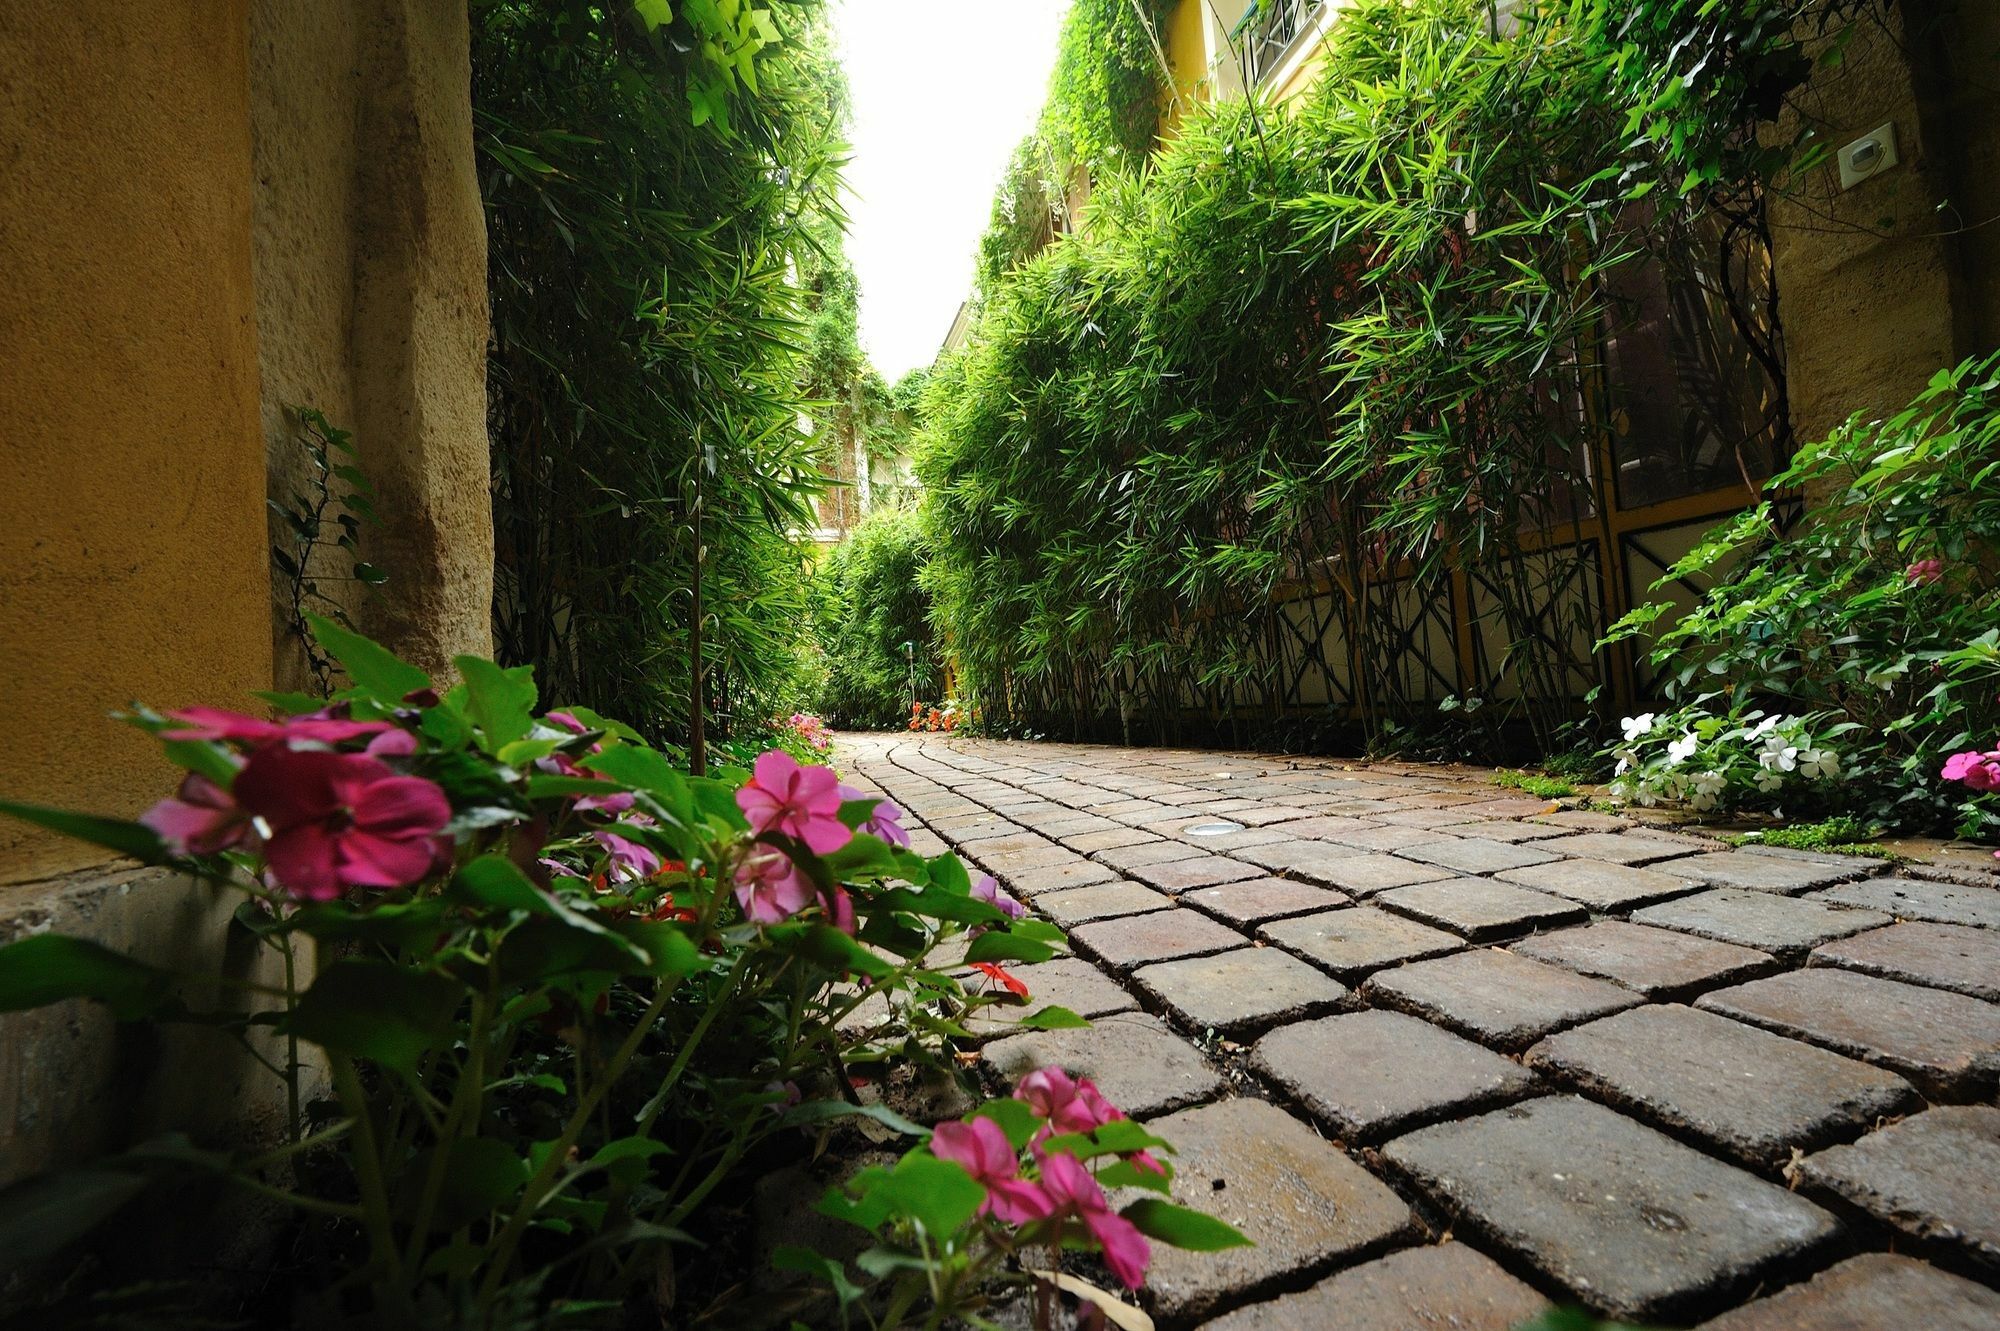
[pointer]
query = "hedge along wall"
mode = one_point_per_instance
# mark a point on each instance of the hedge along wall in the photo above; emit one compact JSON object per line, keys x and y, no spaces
{"x":1315,"y":418}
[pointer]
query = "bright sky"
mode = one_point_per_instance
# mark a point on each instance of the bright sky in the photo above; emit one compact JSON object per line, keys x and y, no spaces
{"x":943,"y":90}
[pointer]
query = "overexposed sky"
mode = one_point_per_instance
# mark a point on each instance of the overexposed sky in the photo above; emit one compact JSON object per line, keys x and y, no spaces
{"x":943,"y":90}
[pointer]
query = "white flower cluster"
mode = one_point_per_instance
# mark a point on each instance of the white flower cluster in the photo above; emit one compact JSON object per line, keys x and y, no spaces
{"x":1696,"y":758}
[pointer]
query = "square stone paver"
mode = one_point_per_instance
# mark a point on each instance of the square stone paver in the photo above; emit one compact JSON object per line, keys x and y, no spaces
{"x":1918,"y":899}
{"x":1628,"y":1220}
{"x":1380,"y":836}
{"x":1944,"y":956}
{"x":1031,"y":857}
{"x":1248,"y":989}
{"x":1154,"y":850}
{"x":1007,"y":845}
{"x":1623,"y":847}
{"x":1602,"y":884}
{"x":1067,"y":982}
{"x":1055,"y":877}
{"x":1360,"y":939}
{"x":1088,"y":843}
{"x":1764,"y":873}
{"x":1140,"y":1065}
{"x":1195,"y":871}
{"x":1258,"y":899}
{"x":1778,"y":924}
{"x":1299,"y":1198}
{"x":1659,"y":963}
{"x":1474,"y":855}
{"x":1936,"y":1177}
{"x":1100,"y":901}
{"x":1871,"y":1292}
{"x":1497,"y":997}
{"x":1946,"y":1042}
{"x":1161,"y":935}
{"x":1447,"y":1286}
{"x":1480,"y":908}
{"x":1362,"y":871}
{"x":1750,"y":1093}
{"x":1368,"y":1075}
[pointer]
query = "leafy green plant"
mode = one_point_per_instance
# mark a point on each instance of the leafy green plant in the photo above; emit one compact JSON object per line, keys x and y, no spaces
{"x":874,"y":625}
{"x":327,"y":515}
{"x":1546,"y":787}
{"x":1875,"y":615}
{"x":1841,"y":834}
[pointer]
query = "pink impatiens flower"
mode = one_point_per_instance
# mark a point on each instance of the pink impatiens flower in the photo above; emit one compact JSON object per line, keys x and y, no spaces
{"x":1925,"y":571}
{"x":1069,"y":1105}
{"x":340,"y":820}
{"x":885,"y":822}
{"x":214,"y":723}
{"x":801,"y":802}
{"x":1979,"y":771}
{"x":770,"y":887}
{"x":1073,"y":1192}
{"x":200,"y":819}
{"x":988,"y":891}
{"x":628,"y":859}
{"x":980,"y":1148}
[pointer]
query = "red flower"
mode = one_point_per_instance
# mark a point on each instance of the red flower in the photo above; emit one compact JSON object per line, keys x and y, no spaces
{"x":200,"y":819}
{"x":993,"y":972}
{"x":341,"y":820}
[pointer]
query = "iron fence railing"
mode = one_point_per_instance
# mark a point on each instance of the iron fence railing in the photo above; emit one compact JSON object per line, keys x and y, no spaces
{"x":1271,"y":31}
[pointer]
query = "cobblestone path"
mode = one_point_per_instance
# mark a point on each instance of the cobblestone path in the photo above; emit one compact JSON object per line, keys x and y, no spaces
{"x":1447,"y":1053}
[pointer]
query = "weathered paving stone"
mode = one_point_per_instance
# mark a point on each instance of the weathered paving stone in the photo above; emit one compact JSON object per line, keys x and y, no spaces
{"x":1100,"y":901}
{"x":1382,"y":837}
{"x":1446,"y":1286}
{"x":1368,"y":1075}
{"x":1622,"y":847}
{"x":1007,"y":845}
{"x":1361,"y":871}
{"x":1763,"y":873}
{"x":1067,"y":982}
{"x":1782,"y":925}
{"x":1473,"y":855}
{"x":1871,"y":1292}
{"x":1299,"y":1198}
{"x":1944,"y":956}
{"x":1935,"y":1177}
{"x":1630,"y":1221}
{"x":1659,"y":963}
{"x":1360,"y":939}
{"x":1248,"y":989}
{"x":1327,"y":827}
{"x":1140,"y":1065}
{"x":1295,"y":855}
{"x":1091,"y":842}
{"x":1508,"y":831}
{"x":1752,"y":1094}
{"x":1259,"y":899}
{"x":1195,"y":871}
{"x":1601,"y":884}
{"x":1497,"y":997}
{"x":1480,"y":908}
{"x":1916,"y":899}
{"x":1945,"y":1042}
{"x":1055,"y":877}
{"x":1585,"y":820}
{"x":1154,"y":850}
{"x":1160,"y":935}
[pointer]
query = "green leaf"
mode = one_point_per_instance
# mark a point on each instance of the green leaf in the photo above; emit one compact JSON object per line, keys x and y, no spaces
{"x":789,"y":1257}
{"x":1180,"y":1227}
{"x":934,"y":1193}
{"x":502,"y":702}
{"x":497,"y":882}
{"x":997,"y":946}
{"x":137,"y":840}
{"x":834,"y":950}
{"x":45,"y":1214}
{"x":377,"y":1010}
{"x":641,"y":768}
{"x":1015,"y":1118}
{"x":1051,"y":1018}
{"x":373,"y":667}
{"x":820,"y":1111}
{"x":49,"y":968}
{"x":655,"y":14}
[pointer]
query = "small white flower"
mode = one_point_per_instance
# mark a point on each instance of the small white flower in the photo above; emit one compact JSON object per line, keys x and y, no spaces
{"x":1682,"y":749}
{"x":1779,"y":754}
{"x":1707,"y":783}
{"x":1636,"y":726}
{"x":1819,"y":763}
{"x":1769,"y":780}
{"x":1701,"y":801}
{"x":1764,"y":727}
{"x":1885,"y":679}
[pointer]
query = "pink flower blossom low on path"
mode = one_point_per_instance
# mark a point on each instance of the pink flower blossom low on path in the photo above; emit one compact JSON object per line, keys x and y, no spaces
{"x":801,"y":802}
{"x":769,"y":887}
{"x":1979,"y":771}
{"x":1069,"y":1104}
{"x":340,"y":820}
{"x":980,"y":1147}
{"x":1073,"y":1192}
{"x":988,"y":891}
{"x":200,"y":819}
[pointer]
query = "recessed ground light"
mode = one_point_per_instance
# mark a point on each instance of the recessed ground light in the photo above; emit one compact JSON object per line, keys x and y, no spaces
{"x":1214,"y":829}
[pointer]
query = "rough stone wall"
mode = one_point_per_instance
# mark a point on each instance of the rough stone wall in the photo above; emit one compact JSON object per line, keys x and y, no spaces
{"x":1875,"y":296}
{"x":370,"y":251}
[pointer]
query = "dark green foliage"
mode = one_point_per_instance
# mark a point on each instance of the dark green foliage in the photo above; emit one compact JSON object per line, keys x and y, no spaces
{"x":325,"y":517}
{"x":648,"y":340}
{"x":871,"y":605}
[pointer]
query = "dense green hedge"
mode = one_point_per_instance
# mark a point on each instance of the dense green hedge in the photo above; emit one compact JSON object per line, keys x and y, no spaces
{"x":870,"y":604}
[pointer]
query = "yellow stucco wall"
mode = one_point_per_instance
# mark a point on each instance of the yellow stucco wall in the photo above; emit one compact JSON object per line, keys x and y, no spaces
{"x":132,"y":534}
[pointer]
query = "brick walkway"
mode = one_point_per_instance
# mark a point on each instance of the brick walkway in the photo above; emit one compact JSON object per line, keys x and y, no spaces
{"x":1447,"y":1053}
